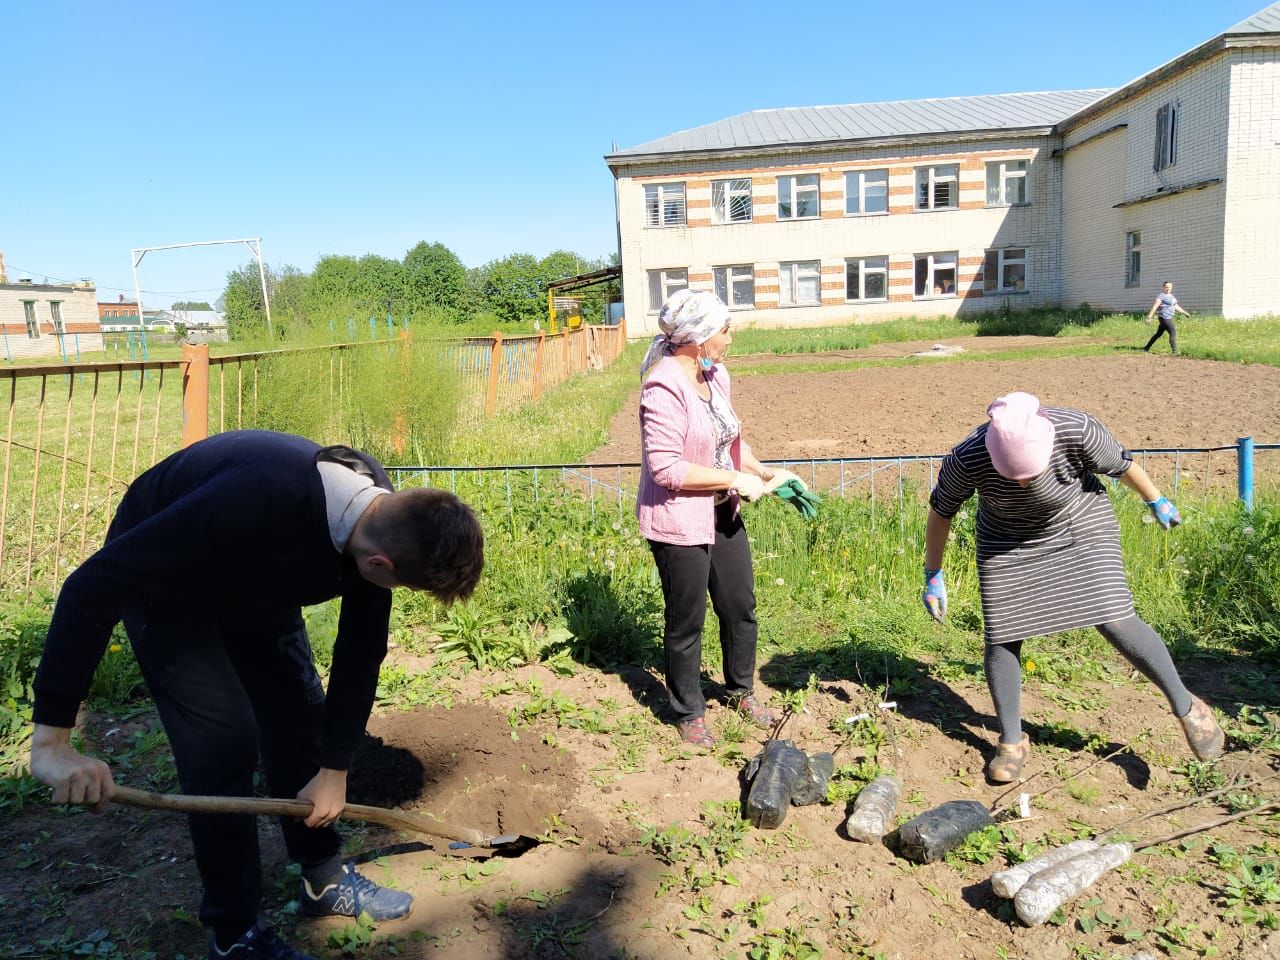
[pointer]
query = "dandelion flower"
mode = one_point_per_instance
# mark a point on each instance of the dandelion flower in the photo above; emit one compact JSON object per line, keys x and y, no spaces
{"x":617,"y":525}
{"x":780,"y":582}
{"x":1031,"y":666}
{"x":115,"y":648}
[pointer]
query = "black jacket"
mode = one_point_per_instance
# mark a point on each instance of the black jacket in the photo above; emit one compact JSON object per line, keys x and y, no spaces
{"x":232,"y":526}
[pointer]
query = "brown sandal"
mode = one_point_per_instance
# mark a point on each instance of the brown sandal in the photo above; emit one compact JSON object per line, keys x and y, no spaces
{"x":1204,"y":734}
{"x":1006,"y":765}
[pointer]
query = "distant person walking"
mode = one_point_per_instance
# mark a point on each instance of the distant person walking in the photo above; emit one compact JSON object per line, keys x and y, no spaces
{"x":1166,"y":305}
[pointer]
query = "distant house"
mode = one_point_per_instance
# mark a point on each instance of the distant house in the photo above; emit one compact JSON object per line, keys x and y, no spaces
{"x":43,"y":319}
{"x":121,"y":312}
{"x":815,"y":215}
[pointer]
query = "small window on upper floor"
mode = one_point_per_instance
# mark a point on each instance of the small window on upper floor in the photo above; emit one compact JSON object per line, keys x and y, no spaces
{"x":731,"y":200}
{"x":1168,"y":120}
{"x":664,"y":205}
{"x":798,"y":196}
{"x":866,"y":191}
{"x":29,"y":314}
{"x":938,"y":187}
{"x":1006,"y":183}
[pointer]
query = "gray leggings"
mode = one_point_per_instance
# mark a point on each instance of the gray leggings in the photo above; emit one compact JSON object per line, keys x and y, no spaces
{"x":1132,"y":637}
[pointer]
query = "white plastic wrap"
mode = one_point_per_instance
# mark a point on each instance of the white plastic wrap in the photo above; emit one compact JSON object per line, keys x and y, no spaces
{"x":1006,"y":883}
{"x":1053,"y":886}
{"x":872,"y":815}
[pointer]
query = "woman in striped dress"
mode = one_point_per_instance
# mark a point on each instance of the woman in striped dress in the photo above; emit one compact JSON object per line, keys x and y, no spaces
{"x":1049,"y":555}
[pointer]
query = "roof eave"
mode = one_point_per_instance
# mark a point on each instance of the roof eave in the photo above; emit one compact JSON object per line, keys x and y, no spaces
{"x":615,"y":160}
{"x":1205,"y":51}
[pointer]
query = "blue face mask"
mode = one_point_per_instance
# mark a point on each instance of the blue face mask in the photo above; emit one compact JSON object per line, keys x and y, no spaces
{"x":705,"y":363}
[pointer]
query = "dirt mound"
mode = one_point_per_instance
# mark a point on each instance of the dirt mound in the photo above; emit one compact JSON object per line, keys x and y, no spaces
{"x":463,"y":765}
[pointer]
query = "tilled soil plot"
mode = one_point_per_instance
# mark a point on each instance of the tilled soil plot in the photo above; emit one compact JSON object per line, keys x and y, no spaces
{"x":926,"y":408}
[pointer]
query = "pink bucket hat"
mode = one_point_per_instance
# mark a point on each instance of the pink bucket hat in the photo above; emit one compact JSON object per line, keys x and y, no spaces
{"x":1019,"y":437}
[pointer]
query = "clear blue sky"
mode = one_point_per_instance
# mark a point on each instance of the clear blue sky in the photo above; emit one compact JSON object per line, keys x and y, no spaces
{"x":365,"y":127}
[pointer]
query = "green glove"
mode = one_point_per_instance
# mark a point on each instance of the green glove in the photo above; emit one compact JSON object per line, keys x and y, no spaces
{"x":799,"y":496}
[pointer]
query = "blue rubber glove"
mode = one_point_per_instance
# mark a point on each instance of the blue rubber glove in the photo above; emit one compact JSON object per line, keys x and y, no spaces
{"x":935,"y":594}
{"x":1166,"y":513}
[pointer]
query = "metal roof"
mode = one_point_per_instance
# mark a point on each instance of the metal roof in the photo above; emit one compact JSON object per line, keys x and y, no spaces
{"x":872,"y":121}
{"x":1264,"y":21}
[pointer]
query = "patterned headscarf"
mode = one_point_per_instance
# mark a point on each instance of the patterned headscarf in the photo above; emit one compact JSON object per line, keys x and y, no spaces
{"x":688,"y":316}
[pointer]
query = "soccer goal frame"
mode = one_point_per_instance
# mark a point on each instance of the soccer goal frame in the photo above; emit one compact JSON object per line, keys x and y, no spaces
{"x":253,"y":243}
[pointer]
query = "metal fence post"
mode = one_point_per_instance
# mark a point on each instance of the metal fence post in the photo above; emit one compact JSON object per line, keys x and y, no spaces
{"x":195,"y":393}
{"x":495,"y":362}
{"x":1244,"y":471}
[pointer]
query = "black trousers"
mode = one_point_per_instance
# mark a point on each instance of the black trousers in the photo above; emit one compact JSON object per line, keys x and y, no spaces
{"x":687,"y":574}
{"x":229,"y":690}
{"x":1166,"y":326}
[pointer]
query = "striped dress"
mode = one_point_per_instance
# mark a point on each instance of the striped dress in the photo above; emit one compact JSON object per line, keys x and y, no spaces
{"x":1048,"y":553}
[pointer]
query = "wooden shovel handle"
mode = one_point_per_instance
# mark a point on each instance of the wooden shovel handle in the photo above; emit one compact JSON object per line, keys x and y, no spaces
{"x":258,"y":806}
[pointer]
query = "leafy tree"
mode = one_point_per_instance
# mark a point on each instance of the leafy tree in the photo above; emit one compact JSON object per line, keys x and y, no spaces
{"x":191,"y":305}
{"x":514,"y":288}
{"x":245,"y":312}
{"x":435,"y":277}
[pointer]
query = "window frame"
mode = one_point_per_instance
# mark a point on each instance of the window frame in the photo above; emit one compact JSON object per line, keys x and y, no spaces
{"x":795,"y":203}
{"x":55,"y":315}
{"x":660,"y":205}
{"x":723,"y":217}
{"x":1005,"y":177}
{"x":33,"y":323}
{"x":665,"y":284}
{"x":862,"y":193}
{"x":1132,"y":259}
{"x":933,"y":181}
{"x":789,"y":282}
{"x":727,"y":272}
{"x":862,"y":278}
{"x":996,"y":274}
{"x":1168,"y":124}
{"x":954,"y":266}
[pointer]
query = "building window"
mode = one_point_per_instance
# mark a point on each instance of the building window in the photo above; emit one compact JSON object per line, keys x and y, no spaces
{"x":1133,"y":258}
{"x":55,"y":312}
{"x":664,"y":205}
{"x":736,"y":285}
{"x":29,"y":314}
{"x":938,"y":187}
{"x":866,"y":278}
{"x":798,"y":196}
{"x":1005,"y":271}
{"x":936,"y":274}
{"x":1006,"y":183}
{"x":1167,"y":123}
{"x":731,"y":201}
{"x":799,"y":283}
{"x":866,"y":191}
{"x":663,"y":283}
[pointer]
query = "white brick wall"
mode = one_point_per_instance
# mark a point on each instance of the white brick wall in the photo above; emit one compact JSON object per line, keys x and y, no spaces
{"x":79,"y":308}
{"x":1251,"y":274}
{"x":1182,"y":235}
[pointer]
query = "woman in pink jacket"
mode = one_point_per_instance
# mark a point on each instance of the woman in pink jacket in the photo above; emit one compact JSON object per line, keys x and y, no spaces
{"x":695,"y":470}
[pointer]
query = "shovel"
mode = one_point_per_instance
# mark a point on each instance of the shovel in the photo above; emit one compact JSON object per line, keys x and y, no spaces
{"x":463,"y":838}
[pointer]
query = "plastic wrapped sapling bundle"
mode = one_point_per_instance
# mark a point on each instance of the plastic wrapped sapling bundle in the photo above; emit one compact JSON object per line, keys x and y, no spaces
{"x":782,"y":775}
{"x":935,"y":833}
{"x":1055,"y":885}
{"x":872,"y":815}
{"x":1007,"y":883}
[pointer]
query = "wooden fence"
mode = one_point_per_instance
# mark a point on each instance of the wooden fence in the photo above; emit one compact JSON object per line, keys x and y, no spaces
{"x":76,"y":434}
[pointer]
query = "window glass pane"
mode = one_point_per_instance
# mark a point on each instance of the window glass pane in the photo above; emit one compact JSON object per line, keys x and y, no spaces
{"x":852,"y":288}
{"x":944,"y":279}
{"x":722,"y":284}
{"x":651,"y":206}
{"x":740,"y":206}
{"x":852,"y":182}
{"x":990,"y":270}
{"x":993,"y":185}
{"x":922,"y":188}
{"x":808,"y":289}
{"x":672,"y":205}
{"x":1015,"y":275}
{"x":744,"y":287}
{"x":784,"y":198}
{"x":944,"y":193}
{"x":875,"y":192}
{"x":922,"y":276}
{"x":807,"y":204}
{"x":874,"y":286}
{"x":718,"y":204}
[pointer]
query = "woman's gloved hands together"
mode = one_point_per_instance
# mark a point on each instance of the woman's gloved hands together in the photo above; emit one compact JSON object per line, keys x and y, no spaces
{"x":934,"y":596}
